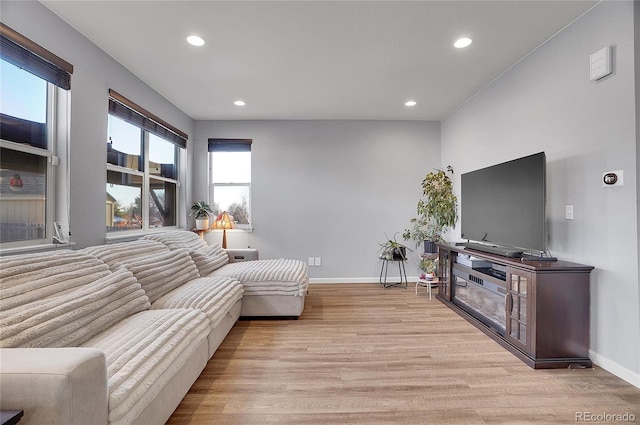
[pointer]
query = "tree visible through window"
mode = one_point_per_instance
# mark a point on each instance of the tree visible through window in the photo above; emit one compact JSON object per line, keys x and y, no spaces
{"x":230,"y":178}
{"x":127,"y":179}
{"x":142,"y":172}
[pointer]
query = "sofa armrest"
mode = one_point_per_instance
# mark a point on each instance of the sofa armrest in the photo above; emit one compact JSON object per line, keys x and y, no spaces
{"x":55,"y":385}
{"x":246,"y":254}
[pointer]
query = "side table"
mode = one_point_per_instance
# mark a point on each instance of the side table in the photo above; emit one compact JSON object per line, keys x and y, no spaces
{"x":201,"y":232}
{"x":385,"y":269}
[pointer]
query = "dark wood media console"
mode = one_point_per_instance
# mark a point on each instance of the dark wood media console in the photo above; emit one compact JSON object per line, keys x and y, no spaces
{"x":539,"y":311}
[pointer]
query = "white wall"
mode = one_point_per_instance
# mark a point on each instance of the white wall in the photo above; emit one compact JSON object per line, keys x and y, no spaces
{"x":547,"y":103}
{"x":329,"y":189}
{"x":94,"y":74}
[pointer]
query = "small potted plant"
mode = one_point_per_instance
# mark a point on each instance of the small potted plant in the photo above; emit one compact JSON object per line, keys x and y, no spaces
{"x":437,"y":210}
{"x":428,"y":268}
{"x":393,"y":251}
{"x":200,"y":210}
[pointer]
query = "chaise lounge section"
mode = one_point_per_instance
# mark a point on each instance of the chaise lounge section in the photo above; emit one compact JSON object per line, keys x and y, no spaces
{"x":117,"y":334}
{"x":272,"y":287}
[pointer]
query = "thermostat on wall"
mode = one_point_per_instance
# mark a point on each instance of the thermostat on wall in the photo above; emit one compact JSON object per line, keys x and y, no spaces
{"x":600,"y":63}
{"x":612,"y":178}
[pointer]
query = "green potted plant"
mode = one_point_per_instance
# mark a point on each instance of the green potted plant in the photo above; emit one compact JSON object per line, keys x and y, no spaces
{"x":428,"y":267}
{"x":200,"y":210}
{"x":437,"y":210}
{"x":393,"y":250}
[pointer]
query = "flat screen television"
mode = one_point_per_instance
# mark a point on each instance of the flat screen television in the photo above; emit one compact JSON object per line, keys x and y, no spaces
{"x":504,"y":206}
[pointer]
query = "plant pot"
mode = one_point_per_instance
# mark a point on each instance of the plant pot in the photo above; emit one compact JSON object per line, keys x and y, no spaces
{"x":202,"y":223}
{"x":399,"y":253}
{"x":429,"y":276}
{"x":430,"y":247}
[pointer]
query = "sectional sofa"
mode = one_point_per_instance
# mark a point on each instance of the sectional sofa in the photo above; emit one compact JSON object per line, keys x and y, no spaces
{"x":117,"y":334}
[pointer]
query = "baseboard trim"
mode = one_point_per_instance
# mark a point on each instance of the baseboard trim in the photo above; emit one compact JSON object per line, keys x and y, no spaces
{"x":332,"y":280}
{"x":615,"y":368}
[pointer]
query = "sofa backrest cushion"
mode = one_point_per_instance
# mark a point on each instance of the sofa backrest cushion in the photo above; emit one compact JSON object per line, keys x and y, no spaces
{"x":62,"y":299}
{"x":161,"y":272}
{"x":178,"y":239}
{"x":207,"y":258}
{"x":124,"y":251}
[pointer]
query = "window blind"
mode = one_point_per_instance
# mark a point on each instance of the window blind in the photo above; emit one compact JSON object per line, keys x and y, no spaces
{"x":127,"y":110}
{"x":230,"y":145}
{"x":24,"y":53}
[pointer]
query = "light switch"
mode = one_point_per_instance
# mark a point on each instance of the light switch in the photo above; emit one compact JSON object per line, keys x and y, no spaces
{"x":568,"y":212}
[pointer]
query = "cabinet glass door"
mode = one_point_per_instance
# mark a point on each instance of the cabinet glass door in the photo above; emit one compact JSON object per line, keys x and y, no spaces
{"x":444,"y":270}
{"x":517,"y":308}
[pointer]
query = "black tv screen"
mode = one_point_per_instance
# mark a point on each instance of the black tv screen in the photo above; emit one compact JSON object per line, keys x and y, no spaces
{"x":504,"y":204}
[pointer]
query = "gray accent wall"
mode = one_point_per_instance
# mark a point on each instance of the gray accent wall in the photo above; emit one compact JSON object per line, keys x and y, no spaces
{"x":94,"y":73}
{"x":547,"y":103}
{"x":329,"y":189}
{"x":333,"y":189}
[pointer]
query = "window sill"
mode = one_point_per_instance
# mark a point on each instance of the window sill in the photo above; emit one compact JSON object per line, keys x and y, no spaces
{"x":35,"y":248}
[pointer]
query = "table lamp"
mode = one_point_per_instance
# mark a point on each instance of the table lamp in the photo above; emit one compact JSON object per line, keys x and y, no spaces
{"x":224,"y":221}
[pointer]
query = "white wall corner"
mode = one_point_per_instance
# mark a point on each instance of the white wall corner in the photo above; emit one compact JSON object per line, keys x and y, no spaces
{"x":620,"y":371}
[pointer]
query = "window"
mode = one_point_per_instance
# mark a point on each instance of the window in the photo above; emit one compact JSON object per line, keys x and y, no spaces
{"x":33,"y":111}
{"x":142,"y":168}
{"x":230,"y":179}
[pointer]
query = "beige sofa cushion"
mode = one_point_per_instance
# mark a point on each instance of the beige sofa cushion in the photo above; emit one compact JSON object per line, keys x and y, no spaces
{"x":46,"y":300}
{"x":178,"y":239}
{"x":125,"y":251}
{"x":161,"y":272}
{"x":207,"y":258}
{"x":269,"y":277}
{"x":212,"y":295}
{"x":144,"y":352}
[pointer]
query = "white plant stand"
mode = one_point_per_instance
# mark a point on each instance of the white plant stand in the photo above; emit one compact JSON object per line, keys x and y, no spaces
{"x":429,"y":284}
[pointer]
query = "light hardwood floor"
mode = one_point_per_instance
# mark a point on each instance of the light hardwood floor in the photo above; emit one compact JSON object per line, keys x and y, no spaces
{"x":361,"y":354}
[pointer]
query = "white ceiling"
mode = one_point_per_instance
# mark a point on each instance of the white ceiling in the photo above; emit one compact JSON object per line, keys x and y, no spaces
{"x":318,"y":59}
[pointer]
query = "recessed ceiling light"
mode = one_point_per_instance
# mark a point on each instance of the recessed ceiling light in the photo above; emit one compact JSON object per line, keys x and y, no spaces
{"x":462,"y":42}
{"x":239,"y":103}
{"x":410,"y":103}
{"x":195,"y":40}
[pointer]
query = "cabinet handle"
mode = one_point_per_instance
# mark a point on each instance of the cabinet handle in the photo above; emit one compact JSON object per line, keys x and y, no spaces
{"x":508,"y":301}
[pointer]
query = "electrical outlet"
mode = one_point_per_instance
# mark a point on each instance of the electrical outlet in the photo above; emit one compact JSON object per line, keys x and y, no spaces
{"x":312,"y":261}
{"x":318,"y":261}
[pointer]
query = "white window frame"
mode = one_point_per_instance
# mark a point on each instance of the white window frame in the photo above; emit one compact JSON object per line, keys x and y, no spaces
{"x":212,"y":187}
{"x":144,"y":196}
{"x":53,"y":114}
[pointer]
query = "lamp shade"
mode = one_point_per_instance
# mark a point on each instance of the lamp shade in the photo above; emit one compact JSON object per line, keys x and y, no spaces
{"x":224,"y":221}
